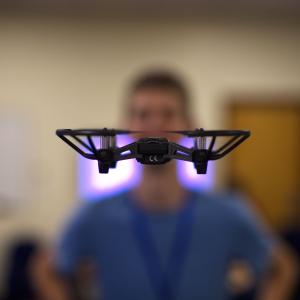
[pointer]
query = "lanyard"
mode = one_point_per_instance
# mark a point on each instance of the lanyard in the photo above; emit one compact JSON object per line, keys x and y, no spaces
{"x":178,"y":253}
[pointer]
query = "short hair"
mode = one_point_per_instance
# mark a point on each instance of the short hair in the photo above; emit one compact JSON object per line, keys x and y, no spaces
{"x":165,"y":80}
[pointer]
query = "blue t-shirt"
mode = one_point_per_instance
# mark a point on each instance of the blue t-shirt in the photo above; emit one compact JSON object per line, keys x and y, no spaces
{"x":223,"y":230}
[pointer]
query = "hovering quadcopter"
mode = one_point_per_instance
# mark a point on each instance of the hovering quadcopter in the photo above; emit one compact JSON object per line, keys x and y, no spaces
{"x":151,"y":150}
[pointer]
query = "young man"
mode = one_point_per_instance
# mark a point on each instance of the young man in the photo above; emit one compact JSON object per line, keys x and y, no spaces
{"x":161,"y":241}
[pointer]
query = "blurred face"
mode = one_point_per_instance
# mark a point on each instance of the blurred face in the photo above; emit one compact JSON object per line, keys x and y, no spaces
{"x":155,"y":110}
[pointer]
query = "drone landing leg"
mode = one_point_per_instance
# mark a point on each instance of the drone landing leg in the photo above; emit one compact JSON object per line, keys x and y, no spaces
{"x":103,"y":167}
{"x":200,"y":158}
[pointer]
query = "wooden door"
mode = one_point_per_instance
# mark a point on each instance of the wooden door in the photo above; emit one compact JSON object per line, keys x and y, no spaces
{"x":268,"y":164}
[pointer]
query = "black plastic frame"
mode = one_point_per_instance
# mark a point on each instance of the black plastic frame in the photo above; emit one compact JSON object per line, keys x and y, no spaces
{"x":110,"y":155}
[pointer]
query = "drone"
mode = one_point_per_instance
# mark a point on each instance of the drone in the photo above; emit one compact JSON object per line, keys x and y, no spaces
{"x":151,"y":150}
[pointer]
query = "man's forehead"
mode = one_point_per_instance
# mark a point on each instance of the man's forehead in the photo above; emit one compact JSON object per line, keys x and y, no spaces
{"x":155,"y":97}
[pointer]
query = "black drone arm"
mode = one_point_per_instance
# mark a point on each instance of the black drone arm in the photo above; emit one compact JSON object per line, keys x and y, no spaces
{"x":126,"y":152}
{"x":228,"y":147}
{"x":67,"y":140}
{"x":180,"y":152}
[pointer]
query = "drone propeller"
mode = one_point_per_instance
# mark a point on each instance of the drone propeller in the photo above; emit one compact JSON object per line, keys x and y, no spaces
{"x":182,"y":132}
{"x":200,"y":132}
{"x":94,"y":132}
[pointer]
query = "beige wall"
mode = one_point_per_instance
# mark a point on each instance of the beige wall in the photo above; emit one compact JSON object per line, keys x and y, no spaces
{"x":68,"y":73}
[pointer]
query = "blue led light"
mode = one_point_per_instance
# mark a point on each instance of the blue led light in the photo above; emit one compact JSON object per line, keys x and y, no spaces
{"x":95,"y":186}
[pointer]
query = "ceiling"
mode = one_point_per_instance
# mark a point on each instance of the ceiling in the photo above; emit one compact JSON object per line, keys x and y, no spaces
{"x":156,"y":7}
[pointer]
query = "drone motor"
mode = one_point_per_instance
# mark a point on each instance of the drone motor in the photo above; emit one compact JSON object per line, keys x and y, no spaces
{"x":105,"y":153}
{"x":200,"y":154}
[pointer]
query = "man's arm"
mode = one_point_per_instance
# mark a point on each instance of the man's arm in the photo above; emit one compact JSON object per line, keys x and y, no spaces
{"x":73,"y":254}
{"x":280,"y":278}
{"x":47,"y":282}
{"x":272,"y":264}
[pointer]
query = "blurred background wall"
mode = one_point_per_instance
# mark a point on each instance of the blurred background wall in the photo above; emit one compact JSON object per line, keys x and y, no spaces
{"x":62,"y":71}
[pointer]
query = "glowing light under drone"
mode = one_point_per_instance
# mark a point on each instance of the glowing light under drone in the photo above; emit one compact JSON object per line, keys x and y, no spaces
{"x":95,"y":186}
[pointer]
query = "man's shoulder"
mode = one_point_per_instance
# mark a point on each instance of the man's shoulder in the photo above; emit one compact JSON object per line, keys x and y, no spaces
{"x":222,"y":204}
{"x":100,"y":208}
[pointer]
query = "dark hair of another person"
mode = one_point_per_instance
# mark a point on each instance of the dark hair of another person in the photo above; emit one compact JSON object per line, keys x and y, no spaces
{"x":164,"y":80}
{"x":18,"y":284}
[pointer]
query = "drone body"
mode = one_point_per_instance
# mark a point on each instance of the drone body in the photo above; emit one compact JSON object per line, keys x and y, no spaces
{"x":151,"y":150}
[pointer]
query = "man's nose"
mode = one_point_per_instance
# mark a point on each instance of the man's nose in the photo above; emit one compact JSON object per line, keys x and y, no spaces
{"x":156,"y":122}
